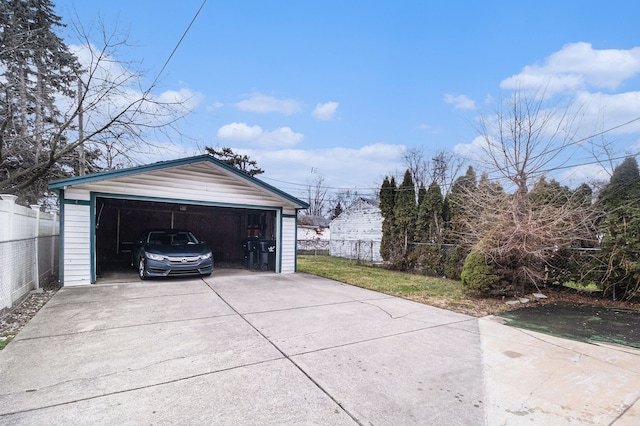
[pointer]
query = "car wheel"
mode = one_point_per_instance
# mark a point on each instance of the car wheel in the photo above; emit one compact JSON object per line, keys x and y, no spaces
{"x":142,"y":269}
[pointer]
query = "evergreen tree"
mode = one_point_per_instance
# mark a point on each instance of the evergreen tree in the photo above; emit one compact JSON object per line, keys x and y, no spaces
{"x":422,"y":222}
{"x":422,"y":193}
{"x":240,"y":162}
{"x":454,"y":205}
{"x":387,"y":208}
{"x":429,"y":227}
{"x":336,"y":211}
{"x":621,"y":231}
{"x":36,"y":67}
{"x":405,"y":211}
{"x":583,"y":195}
{"x":549,"y":193}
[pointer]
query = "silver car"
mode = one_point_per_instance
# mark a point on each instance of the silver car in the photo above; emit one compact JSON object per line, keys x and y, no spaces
{"x":170,"y":252}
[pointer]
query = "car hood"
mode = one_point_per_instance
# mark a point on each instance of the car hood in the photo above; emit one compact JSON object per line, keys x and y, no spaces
{"x":178,"y":250}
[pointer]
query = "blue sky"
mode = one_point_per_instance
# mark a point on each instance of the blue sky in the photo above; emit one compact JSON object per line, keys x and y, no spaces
{"x":338,"y":89}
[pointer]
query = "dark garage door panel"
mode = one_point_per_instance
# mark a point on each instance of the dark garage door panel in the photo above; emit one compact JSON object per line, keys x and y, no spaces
{"x":120,"y":222}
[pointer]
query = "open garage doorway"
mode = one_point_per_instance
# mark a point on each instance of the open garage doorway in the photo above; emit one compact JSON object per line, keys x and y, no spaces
{"x":119,"y":222}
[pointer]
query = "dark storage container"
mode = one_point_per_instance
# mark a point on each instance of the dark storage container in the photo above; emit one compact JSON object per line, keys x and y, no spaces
{"x":267,"y":255}
{"x":250,"y":250}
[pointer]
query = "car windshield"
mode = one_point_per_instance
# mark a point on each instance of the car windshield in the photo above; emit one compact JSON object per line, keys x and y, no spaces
{"x":171,"y":238}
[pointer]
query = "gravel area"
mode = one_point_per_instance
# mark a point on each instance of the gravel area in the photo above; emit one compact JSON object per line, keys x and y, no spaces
{"x":11,"y":322}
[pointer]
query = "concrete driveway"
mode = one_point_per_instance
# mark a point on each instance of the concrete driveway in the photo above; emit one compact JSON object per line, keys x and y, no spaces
{"x":244,"y":348}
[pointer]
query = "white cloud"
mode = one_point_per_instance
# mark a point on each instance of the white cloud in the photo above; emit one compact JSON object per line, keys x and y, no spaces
{"x":115,"y":89}
{"x":472,"y":151}
{"x":214,"y":106}
{"x":188,"y":99}
{"x":600,"y":111}
{"x":281,"y":137}
{"x":255,"y":135}
{"x":460,"y":101}
{"x":263,"y":104}
{"x":578,"y":66}
{"x":432,"y":130}
{"x":342,"y":168}
{"x":325,"y":111}
{"x":239,"y":133}
{"x":584,"y":173}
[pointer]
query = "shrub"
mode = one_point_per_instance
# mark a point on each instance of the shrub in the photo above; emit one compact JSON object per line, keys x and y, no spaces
{"x":454,"y":258}
{"x":477,"y":275}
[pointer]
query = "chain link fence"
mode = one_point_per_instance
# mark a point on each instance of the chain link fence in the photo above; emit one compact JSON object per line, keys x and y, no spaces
{"x":368,"y":250}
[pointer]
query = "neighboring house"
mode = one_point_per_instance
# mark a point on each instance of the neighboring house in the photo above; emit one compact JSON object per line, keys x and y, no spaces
{"x":313,"y":233}
{"x":101,"y":214}
{"x":356,"y":233}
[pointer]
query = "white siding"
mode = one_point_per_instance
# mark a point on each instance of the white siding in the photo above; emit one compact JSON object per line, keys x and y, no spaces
{"x":357,"y":232}
{"x":202,"y":181}
{"x":77,"y":250}
{"x":288,"y":245}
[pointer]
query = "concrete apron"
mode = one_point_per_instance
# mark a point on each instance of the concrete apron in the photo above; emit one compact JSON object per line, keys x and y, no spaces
{"x":260,"y":348}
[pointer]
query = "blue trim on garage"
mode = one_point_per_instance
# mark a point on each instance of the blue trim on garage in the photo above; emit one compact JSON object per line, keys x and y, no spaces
{"x":92,"y":239}
{"x":61,"y":240}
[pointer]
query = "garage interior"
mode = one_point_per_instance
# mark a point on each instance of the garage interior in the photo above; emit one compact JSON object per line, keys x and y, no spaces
{"x":119,"y":222}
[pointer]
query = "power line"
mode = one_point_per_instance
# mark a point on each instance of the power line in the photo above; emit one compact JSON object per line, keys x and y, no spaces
{"x":184,"y":34}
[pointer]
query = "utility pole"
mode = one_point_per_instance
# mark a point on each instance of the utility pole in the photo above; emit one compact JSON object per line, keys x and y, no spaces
{"x":81,"y":157}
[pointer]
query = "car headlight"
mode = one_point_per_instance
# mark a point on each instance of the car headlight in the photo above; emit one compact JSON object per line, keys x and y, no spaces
{"x":205,"y":256}
{"x":154,"y":256}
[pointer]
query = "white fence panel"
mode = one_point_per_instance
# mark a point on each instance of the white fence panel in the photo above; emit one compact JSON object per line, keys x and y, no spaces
{"x":28,"y":250}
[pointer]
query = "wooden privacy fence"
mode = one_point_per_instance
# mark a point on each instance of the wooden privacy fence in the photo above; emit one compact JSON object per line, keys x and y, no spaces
{"x":28,"y":249}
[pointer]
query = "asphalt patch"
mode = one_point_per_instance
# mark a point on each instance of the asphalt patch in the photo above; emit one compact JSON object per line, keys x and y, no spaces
{"x":586,"y":323}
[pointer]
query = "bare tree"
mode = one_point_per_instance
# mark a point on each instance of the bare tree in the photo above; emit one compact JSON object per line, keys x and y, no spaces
{"x":519,"y":236}
{"x":418,"y":167}
{"x":110,"y":116}
{"x":445,"y":168}
{"x":518,"y":233}
{"x":341,"y":200}
{"x":317,"y":197}
{"x":524,"y":139}
{"x":442,"y":168}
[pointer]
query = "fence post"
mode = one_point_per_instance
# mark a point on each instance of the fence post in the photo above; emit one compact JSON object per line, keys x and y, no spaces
{"x":36,"y":257}
{"x":54,"y":241}
{"x":12,"y":202}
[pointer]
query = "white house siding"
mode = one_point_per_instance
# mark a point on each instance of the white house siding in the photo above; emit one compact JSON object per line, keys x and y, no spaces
{"x":199,"y":181}
{"x":76,"y":245}
{"x":357,"y":232}
{"x":288,"y":245}
{"x":313,"y":237}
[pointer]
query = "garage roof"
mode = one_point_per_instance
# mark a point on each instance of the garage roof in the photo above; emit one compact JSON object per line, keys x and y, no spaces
{"x":112,"y":174}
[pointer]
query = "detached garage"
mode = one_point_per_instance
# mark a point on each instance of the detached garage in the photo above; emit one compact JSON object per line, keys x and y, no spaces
{"x":102,"y":214}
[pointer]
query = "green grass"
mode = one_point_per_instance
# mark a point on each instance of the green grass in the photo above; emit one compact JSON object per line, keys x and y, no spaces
{"x":593,"y":287}
{"x":430,"y":290}
{"x":4,"y":342}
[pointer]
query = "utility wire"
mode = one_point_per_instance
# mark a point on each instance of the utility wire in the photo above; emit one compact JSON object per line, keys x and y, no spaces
{"x":184,"y":34}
